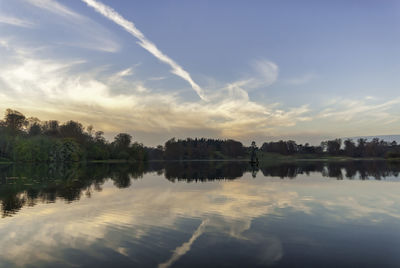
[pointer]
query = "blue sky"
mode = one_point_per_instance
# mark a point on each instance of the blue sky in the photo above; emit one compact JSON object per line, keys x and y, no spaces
{"x":305,"y":70}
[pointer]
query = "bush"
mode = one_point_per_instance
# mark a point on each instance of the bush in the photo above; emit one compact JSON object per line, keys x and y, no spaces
{"x":392,"y":154}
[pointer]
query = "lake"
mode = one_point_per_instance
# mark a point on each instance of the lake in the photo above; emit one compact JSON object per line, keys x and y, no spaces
{"x":201,"y":214}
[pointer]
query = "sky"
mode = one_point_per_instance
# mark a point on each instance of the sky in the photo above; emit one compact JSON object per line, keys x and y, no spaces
{"x":260,"y":70}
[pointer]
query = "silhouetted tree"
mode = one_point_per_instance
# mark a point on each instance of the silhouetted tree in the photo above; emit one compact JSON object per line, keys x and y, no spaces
{"x":350,"y":148}
{"x":203,"y":149}
{"x":122,"y":141}
{"x":51,"y":128}
{"x":333,"y":146}
{"x":73,"y":130}
{"x":14,"y":120}
{"x":281,"y":147}
{"x":361,"y":144}
{"x":253,"y":149}
{"x":35,"y":130}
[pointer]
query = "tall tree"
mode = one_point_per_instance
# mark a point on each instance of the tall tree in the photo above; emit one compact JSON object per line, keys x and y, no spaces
{"x":350,"y":147}
{"x":122,"y":141}
{"x":14,"y":120}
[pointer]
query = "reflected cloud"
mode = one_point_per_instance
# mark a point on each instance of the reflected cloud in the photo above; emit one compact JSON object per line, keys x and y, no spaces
{"x":152,"y":204}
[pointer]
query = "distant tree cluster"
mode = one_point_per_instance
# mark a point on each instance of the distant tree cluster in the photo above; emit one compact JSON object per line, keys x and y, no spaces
{"x":203,"y":149}
{"x":289,"y":148}
{"x":361,"y":148}
{"x":373,"y":148}
{"x":31,"y":140}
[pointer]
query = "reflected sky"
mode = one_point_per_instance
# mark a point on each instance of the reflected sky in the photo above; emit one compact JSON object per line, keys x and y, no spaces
{"x":312,"y":220}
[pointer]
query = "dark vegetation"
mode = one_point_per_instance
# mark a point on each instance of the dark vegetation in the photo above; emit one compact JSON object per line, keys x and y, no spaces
{"x":31,"y":140}
{"x":360,"y":149}
{"x":25,"y":139}
{"x":203,"y":149}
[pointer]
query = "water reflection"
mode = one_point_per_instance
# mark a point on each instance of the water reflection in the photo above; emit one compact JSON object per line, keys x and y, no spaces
{"x":22,"y":185}
{"x":342,"y":169}
{"x":149,"y":216}
{"x":25,"y":185}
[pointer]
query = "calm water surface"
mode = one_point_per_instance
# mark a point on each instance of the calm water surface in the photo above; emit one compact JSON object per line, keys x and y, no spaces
{"x":199,"y":214}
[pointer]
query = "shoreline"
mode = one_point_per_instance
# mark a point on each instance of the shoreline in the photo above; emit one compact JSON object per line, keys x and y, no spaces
{"x":280,"y":158}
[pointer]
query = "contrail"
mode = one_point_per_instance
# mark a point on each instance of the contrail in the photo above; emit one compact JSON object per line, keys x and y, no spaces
{"x":185,"y":247}
{"x":112,"y":15}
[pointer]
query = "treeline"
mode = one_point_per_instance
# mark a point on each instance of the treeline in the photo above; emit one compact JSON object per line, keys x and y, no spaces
{"x":31,"y":140}
{"x":360,"y":148}
{"x":25,"y":139}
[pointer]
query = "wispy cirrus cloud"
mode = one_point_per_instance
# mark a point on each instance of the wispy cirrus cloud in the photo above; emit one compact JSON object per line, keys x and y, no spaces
{"x":157,"y":78}
{"x":88,"y":34}
{"x":11,"y":20}
{"x":366,"y":109}
{"x":268,"y":72}
{"x":130,"y":27}
{"x":125,"y":72}
{"x":300,"y":80}
{"x":265,"y":73}
{"x":55,"y":7}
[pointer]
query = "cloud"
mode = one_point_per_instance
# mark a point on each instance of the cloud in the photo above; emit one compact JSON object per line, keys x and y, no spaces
{"x":185,"y":247}
{"x":118,"y":100}
{"x":126,"y":72}
{"x":55,"y":7}
{"x":10,"y":20}
{"x":304,"y":79}
{"x":266,"y":74}
{"x":157,"y":78}
{"x":268,"y":71}
{"x":87,"y":33}
{"x":145,"y":43}
{"x":364,"y":109}
{"x":51,"y":88}
{"x":153,"y":207}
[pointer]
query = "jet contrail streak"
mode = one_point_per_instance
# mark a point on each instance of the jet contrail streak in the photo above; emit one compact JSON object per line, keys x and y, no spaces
{"x":112,"y":15}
